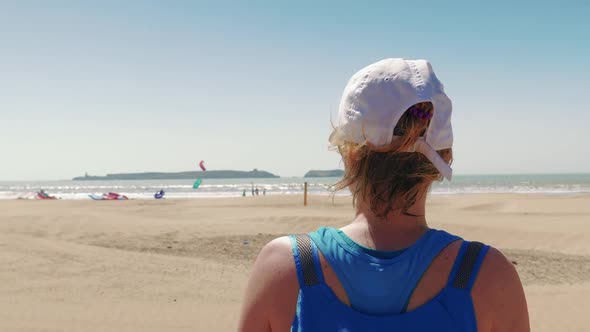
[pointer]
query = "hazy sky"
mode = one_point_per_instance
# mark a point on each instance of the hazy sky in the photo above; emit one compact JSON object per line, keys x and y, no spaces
{"x":125,"y":86}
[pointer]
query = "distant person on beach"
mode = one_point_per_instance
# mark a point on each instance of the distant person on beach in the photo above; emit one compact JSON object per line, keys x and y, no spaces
{"x":263,"y":191}
{"x":387,"y":270}
{"x":256,"y":191}
{"x":244,"y":193}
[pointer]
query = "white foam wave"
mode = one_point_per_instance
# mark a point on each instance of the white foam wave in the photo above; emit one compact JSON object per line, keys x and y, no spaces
{"x":182,"y":189}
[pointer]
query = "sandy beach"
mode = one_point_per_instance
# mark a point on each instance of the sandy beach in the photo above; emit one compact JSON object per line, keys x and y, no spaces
{"x":181,"y":265}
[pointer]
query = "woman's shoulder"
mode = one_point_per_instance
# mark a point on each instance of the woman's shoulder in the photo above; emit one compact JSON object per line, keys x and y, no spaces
{"x":271,"y":294}
{"x":498,"y":296}
{"x":497,"y":293}
{"x":276,"y":259}
{"x":497,"y":275}
{"x":276,"y":266}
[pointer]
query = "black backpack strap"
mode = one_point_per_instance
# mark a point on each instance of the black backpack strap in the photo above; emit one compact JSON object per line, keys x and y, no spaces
{"x":467,"y":264}
{"x":306,"y":260}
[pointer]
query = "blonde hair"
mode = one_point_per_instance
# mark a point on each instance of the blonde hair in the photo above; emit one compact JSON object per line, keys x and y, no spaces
{"x":390,"y":178}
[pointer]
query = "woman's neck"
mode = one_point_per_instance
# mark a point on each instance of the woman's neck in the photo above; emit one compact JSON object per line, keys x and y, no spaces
{"x":393,"y":231}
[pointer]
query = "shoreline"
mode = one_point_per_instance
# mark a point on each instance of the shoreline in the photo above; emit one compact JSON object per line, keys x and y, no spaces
{"x":146,"y":197}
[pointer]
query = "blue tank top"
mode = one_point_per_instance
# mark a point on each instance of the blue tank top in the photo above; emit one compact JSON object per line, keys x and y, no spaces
{"x":378,"y":282}
{"x":366,"y":278}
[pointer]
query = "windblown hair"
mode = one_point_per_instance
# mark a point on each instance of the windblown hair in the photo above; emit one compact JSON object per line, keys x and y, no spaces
{"x":391,"y":179}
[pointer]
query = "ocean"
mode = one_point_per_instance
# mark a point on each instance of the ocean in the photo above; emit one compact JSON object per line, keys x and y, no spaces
{"x":558,"y":184}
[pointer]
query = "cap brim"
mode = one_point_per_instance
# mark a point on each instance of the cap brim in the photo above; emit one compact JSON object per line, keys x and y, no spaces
{"x":335,"y":137}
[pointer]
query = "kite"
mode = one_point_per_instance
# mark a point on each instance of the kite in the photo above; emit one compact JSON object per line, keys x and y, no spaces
{"x":197,"y":184}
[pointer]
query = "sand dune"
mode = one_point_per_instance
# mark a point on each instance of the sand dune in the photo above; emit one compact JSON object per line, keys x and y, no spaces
{"x":181,"y":265}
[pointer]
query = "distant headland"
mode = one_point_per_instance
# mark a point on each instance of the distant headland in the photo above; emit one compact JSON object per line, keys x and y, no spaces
{"x":180,"y":175}
{"x":334,"y":173}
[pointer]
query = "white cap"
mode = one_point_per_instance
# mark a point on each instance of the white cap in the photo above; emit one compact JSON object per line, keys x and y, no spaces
{"x":377,"y":96}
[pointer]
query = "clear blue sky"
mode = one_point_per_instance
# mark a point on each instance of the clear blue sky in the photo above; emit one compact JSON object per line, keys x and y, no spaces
{"x":124,"y":86}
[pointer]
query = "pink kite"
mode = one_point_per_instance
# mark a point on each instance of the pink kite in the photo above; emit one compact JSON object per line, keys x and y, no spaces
{"x":202,"y":165}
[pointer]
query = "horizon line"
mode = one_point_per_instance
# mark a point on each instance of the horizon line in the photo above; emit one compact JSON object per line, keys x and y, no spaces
{"x":292,"y":176}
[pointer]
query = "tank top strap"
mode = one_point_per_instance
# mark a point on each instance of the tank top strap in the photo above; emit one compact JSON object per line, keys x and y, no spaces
{"x":467,"y":265}
{"x":307,"y":261}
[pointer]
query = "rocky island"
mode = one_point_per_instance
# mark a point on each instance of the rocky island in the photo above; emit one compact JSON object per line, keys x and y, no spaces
{"x":222,"y":174}
{"x":334,"y":173}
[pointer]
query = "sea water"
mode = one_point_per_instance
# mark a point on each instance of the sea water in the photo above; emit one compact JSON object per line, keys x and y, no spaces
{"x":562,"y":184}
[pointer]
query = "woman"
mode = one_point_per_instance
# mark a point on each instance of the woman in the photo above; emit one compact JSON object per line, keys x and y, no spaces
{"x":386,"y":270}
